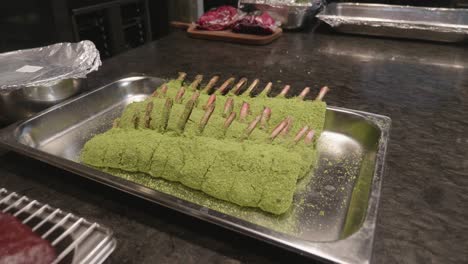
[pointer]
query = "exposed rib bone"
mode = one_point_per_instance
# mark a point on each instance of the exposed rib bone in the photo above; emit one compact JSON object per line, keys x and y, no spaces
{"x":278,"y":129}
{"x":180,"y":95}
{"x":252,"y":87}
{"x":206,"y":118}
{"x":267,"y":89}
{"x":322,"y":93}
{"x":225,"y":85}
{"x":228,"y":107}
{"x":184,"y":117}
{"x":248,"y":131}
{"x":149,"y":109}
{"x":239,"y":86}
{"x":300,"y":134}
{"x":182,"y":76}
{"x":196,"y":82}
{"x":285,"y":91}
{"x":304,"y":93}
{"x":195,"y":96}
{"x":210,"y":101}
{"x":266,"y":114}
{"x":309,"y":138}
{"x":244,"y":111}
{"x":165,"y":114}
{"x":229,"y":121}
{"x":164,"y":89}
{"x":210,"y":84}
{"x":287,"y":128}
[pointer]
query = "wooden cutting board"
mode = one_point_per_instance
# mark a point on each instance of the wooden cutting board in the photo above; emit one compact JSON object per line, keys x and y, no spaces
{"x":228,"y":35}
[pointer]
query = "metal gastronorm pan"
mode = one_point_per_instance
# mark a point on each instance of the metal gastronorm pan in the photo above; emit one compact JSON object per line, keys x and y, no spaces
{"x":337,"y":213}
{"x":436,"y":24}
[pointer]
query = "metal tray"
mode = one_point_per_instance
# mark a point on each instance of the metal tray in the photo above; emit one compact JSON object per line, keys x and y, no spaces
{"x":75,"y":239}
{"x":435,"y":24}
{"x":291,"y":15}
{"x":333,"y":215}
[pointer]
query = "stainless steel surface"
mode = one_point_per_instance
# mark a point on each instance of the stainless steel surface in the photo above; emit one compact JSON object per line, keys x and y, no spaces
{"x":75,"y":239}
{"x":291,"y":15}
{"x":436,"y":24}
{"x":335,"y":213}
{"x":185,"y":11}
{"x":21,"y":103}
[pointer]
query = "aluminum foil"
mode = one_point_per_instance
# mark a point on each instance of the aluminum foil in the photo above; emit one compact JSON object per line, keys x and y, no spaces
{"x":292,"y":14}
{"x":436,"y":24}
{"x":278,"y":3}
{"x":47,"y":65}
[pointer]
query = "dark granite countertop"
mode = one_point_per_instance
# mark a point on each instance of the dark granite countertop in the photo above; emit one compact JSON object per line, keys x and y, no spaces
{"x":422,"y":86}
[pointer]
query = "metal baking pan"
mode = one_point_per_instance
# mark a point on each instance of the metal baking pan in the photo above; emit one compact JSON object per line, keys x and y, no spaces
{"x":291,"y":15}
{"x":425,"y":23}
{"x":333,"y":216}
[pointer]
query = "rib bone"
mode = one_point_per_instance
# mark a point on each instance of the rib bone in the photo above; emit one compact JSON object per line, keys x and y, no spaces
{"x":266,"y":114}
{"x":248,"y":131}
{"x":184,"y":117}
{"x":228,"y":107}
{"x":180,"y":95}
{"x":252,"y":87}
{"x":196,"y":82}
{"x":304,"y":93}
{"x":244,"y":111}
{"x":322,"y":93}
{"x":225,"y":85}
{"x":285,"y":91}
{"x":210,"y":84}
{"x":239,"y":86}
{"x":166,"y":113}
{"x":149,"y":109}
{"x":278,"y":129}
{"x":182,"y":76}
{"x":206,"y":118}
{"x":301,"y":134}
{"x":309,"y":138}
{"x":267,"y":89}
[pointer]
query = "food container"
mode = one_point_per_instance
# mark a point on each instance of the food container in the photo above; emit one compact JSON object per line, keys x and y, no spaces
{"x":333,"y":216}
{"x":21,"y":103}
{"x":34,"y":79}
{"x":435,"y":24}
{"x":292,"y":15}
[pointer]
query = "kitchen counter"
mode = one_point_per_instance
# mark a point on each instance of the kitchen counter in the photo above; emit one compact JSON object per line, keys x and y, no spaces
{"x":422,"y":86}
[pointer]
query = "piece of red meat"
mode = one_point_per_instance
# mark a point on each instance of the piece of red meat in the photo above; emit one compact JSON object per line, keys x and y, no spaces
{"x":20,"y":245}
{"x":220,"y":18}
{"x":262,"y":24}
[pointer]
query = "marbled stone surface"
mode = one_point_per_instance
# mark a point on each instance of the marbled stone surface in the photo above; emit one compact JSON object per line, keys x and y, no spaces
{"x":422,"y":86}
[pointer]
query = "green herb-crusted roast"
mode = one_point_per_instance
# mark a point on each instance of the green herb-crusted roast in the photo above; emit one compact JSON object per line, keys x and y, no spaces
{"x":245,"y":150}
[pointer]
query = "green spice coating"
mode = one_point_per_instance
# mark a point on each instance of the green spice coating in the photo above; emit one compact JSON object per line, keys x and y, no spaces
{"x":248,"y":174}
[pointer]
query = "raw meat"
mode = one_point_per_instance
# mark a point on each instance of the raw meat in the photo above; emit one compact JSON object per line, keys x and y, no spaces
{"x":220,"y":18}
{"x":262,"y":24}
{"x":20,"y":245}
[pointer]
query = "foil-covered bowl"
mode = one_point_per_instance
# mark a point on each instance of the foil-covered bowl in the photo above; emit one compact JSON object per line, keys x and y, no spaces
{"x":291,"y":14}
{"x":34,"y":79}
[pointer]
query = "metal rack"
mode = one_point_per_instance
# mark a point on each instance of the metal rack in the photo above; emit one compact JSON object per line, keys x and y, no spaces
{"x":75,"y":239}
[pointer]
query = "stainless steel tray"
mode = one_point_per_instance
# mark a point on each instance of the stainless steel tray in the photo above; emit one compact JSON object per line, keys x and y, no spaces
{"x":75,"y":239}
{"x":436,"y":24}
{"x":333,"y":216}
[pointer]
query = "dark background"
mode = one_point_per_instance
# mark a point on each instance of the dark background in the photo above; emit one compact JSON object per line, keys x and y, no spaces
{"x":114,"y":26}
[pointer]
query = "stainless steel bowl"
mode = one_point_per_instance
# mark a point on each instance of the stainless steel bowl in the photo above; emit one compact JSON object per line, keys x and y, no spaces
{"x":24,"y":102}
